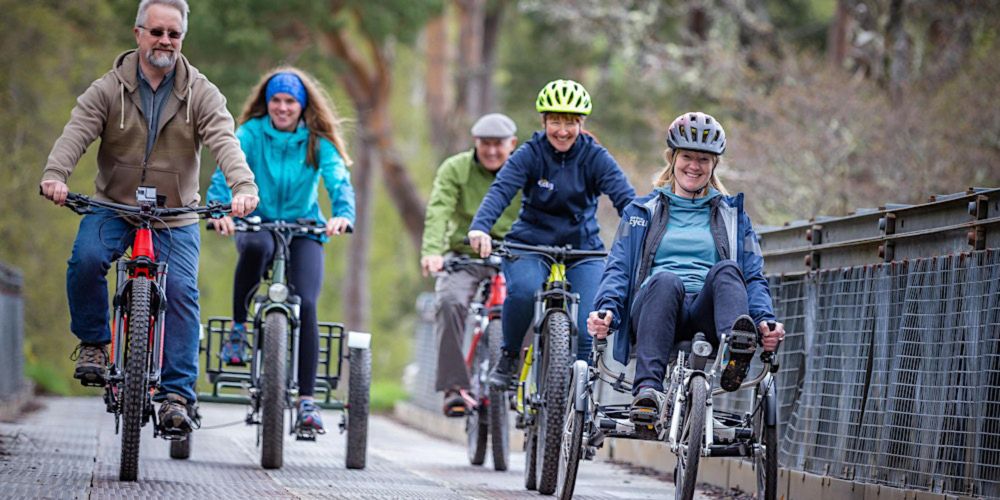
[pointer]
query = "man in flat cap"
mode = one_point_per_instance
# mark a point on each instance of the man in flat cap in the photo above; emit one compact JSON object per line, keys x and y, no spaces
{"x":459,"y":187}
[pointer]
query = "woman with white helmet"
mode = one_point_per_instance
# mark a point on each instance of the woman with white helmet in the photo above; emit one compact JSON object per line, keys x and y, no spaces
{"x":685,"y":260}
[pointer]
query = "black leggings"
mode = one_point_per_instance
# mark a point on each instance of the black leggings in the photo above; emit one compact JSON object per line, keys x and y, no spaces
{"x":304,"y":270}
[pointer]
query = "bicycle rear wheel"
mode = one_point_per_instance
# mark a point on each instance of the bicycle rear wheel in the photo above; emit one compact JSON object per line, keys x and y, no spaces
{"x":554,"y":386}
{"x":180,"y":449}
{"x":692,"y":438}
{"x":499,"y":409}
{"x":272,"y":390}
{"x":133,"y":395}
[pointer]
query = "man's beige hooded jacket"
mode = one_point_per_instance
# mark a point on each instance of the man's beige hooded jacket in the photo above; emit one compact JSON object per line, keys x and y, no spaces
{"x":194,"y":115}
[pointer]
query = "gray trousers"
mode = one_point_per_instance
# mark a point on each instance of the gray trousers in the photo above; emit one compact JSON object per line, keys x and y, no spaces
{"x":452,"y":294}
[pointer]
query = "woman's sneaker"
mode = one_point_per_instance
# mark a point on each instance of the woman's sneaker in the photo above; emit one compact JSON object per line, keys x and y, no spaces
{"x":234,"y":351}
{"x":307,"y":417}
{"x":742,"y":346}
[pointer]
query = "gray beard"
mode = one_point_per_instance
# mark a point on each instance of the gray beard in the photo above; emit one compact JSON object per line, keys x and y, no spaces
{"x":161,"y":62}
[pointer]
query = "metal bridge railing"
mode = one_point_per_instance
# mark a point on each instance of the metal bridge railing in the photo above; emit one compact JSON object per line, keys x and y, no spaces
{"x":11,"y":333}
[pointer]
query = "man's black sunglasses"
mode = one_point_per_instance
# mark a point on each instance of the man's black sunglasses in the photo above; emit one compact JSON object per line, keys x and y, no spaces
{"x":158,"y":32}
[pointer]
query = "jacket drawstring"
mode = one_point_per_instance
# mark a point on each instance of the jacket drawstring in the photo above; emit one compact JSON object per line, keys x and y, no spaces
{"x":121,"y":124}
{"x":187,"y":117}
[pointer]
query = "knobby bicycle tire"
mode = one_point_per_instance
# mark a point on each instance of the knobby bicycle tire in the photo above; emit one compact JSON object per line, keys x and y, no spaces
{"x":556,"y":363}
{"x":133,"y":393}
{"x":499,"y":410}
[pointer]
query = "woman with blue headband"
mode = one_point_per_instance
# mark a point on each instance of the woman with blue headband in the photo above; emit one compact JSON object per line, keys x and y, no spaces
{"x":291,"y":137}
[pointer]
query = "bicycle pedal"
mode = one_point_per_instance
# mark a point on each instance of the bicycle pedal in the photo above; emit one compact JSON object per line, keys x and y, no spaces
{"x":91,"y":379}
{"x":646,"y":416}
{"x":305,"y":436}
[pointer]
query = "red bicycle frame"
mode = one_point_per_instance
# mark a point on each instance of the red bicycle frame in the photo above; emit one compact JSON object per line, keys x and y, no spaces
{"x":492,"y":306}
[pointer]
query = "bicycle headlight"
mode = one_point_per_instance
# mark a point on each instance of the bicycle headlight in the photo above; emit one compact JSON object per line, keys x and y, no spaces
{"x":277,"y":292}
{"x":701,"y":348}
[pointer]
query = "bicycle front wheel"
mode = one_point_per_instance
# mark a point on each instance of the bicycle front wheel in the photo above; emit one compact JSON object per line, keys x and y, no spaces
{"x":133,"y":393}
{"x":692,"y":438}
{"x":571,"y":450}
{"x":272,"y":390}
{"x":477,"y":418}
{"x":554,"y":387}
{"x":766,"y":461}
{"x":499,"y":408}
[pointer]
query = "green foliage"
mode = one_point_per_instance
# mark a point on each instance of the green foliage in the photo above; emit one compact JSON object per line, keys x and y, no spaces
{"x":385,"y":394}
{"x":401,"y":20}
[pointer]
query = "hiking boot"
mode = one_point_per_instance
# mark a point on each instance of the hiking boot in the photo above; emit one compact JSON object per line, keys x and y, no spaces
{"x":646,"y":406}
{"x":502,"y":376}
{"x":742,"y":345}
{"x":174,"y":417}
{"x":91,"y":364}
{"x":308,"y":418}
{"x":457,"y":402}
{"x":234,"y":351}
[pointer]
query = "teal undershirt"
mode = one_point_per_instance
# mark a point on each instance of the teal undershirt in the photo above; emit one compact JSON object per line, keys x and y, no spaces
{"x":687,"y":248}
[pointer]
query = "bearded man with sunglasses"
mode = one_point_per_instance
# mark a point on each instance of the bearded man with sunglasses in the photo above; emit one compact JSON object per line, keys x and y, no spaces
{"x":153,"y":112}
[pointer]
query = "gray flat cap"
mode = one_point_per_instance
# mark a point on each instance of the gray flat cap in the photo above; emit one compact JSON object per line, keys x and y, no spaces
{"x":494,"y":125}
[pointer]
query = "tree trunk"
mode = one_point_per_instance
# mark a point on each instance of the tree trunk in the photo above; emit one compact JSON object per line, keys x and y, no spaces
{"x":439,"y":88}
{"x":471,"y":14}
{"x":899,"y":61}
{"x":836,"y":40}
{"x":357,"y":296}
{"x":491,"y":31}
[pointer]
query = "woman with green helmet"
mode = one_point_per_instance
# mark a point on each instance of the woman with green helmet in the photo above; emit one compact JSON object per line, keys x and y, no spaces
{"x":561,"y":172}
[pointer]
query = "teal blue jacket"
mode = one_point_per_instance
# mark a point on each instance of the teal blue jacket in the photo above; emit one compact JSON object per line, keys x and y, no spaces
{"x":288,"y":186}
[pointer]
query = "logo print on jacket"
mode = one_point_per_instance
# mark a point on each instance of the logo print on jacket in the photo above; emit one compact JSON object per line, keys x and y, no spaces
{"x":635,"y":220}
{"x":545,"y":184}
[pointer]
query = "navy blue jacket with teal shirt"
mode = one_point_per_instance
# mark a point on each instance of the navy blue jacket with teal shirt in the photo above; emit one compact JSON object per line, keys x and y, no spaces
{"x":638,"y":236}
{"x":560,"y":193}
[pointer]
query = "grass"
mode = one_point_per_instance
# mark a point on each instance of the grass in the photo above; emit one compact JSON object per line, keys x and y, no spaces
{"x":385,"y":394}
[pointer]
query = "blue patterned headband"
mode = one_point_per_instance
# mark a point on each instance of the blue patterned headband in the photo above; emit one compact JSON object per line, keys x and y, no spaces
{"x":288,"y":83}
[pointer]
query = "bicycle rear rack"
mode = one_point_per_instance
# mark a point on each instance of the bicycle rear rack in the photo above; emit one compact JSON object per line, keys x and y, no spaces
{"x":230,"y":384}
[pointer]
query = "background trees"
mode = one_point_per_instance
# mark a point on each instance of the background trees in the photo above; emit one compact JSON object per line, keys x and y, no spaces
{"x":830,"y":105}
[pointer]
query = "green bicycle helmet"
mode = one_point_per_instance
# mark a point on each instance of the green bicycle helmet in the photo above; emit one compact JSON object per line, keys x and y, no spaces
{"x":563,"y":96}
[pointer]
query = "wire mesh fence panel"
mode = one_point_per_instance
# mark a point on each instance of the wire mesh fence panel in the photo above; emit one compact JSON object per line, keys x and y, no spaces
{"x":900,"y":382}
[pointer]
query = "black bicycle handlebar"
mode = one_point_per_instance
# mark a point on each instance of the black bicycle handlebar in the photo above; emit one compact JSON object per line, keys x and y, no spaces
{"x":301,"y":226}
{"x":83,"y":204}
{"x":564,"y":252}
{"x":452,"y":264}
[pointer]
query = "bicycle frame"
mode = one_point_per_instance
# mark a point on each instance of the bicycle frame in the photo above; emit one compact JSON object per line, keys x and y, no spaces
{"x":553,"y":296}
{"x":485,"y":307}
{"x":142,"y":263}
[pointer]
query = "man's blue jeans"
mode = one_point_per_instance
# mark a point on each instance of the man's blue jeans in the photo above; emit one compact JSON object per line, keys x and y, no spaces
{"x":525,"y":276}
{"x":101,"y":239}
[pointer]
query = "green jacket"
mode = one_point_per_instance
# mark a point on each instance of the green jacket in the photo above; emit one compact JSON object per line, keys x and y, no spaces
{"x":459,"y":187}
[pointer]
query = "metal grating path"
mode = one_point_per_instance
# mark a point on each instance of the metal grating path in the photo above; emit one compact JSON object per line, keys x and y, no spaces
{"x":69,"y":450}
